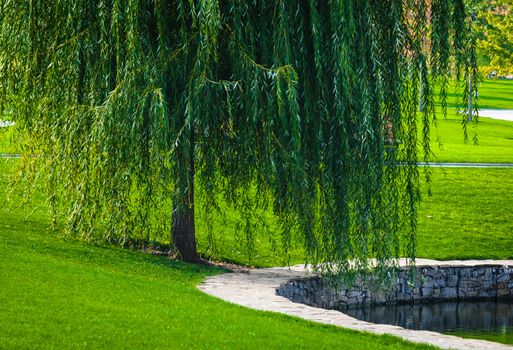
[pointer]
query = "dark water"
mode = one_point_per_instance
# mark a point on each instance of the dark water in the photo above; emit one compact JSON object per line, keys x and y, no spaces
{"x":489,"y":320}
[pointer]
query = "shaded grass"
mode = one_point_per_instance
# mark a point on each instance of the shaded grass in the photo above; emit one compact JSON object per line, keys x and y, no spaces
{"x":468,"y":216}
{"x":231,"y":243}
{"x":59,"y":293}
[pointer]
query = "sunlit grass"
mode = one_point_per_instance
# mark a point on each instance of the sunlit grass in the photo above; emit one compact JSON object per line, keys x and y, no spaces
{"x":469,"y":216}
{"x":494,"y":137}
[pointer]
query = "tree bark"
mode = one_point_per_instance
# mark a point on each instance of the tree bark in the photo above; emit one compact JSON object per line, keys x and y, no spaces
{"x":183,"y":233}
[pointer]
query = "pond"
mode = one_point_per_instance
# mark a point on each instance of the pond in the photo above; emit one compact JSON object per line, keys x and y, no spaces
{"x":488,"y":320}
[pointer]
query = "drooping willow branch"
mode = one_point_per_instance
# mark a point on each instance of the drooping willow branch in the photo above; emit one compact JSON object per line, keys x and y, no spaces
{"x":309,"y":108}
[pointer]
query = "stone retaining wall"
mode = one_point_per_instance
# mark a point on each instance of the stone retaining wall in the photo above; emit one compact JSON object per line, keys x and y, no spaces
{"x":433,"y":283}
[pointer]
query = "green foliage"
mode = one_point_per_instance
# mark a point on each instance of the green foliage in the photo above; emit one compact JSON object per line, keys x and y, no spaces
{"x":495,"y":35}
{"x":119,"y":98}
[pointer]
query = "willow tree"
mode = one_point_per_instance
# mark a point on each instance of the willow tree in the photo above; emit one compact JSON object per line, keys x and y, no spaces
{"x":307,"y":108}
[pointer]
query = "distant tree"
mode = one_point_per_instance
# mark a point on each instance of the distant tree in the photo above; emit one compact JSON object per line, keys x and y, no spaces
{"x":133,"y":104}
{"x":494,"y":26}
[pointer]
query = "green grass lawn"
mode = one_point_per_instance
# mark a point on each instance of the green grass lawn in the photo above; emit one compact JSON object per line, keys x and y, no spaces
{"x":56,"y":293}
{"x":496,"y":94}
{"x":495,"y":141}
{"x":470,"y":215}
{"x":493,"y":94}
{"x":6,"y":135}
{"x":60,"y":293}
{"x":495,"y":137}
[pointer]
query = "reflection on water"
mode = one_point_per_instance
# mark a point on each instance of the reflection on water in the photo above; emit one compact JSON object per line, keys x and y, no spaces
{"x":488,"y":320}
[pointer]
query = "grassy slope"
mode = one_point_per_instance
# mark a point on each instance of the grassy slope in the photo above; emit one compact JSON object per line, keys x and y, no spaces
{"x":495,"y":141}
{"x":493,"y":94}
{"x":495,"y":137}
{"x":64,"y":294}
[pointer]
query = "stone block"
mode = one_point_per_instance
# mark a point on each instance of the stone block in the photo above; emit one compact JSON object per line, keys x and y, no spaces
{"x":452,"y":280}
{"x":449,"y":293}
{"x":503,"y":277}
{"x":426,"y":292}
{"x":488,"y":273}
{"x":436,"y":293}
{"x":488,"y":293}
{"x":503,"y":292}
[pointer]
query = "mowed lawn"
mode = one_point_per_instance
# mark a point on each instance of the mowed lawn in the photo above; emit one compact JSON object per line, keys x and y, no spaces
{"x":494,"y":141}
{"x":494,"y":137}
{"x":468,"y":216}
{"x":493,"y":94}
{"x":57,"y":293}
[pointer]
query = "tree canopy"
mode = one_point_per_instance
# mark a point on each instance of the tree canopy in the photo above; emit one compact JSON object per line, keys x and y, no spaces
{"x":308,"y":108}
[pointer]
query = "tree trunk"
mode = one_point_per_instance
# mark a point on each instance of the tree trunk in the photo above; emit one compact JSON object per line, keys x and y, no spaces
{"x":183,"y":232}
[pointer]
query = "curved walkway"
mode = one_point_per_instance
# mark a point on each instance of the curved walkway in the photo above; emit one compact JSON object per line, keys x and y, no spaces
{"x":5,"y":123}
{"x":502,"y":114}
{"x":10,"y":155}
{"x":256,"y":289}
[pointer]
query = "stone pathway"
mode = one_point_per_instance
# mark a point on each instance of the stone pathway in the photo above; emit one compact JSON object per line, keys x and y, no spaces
{"x":10,"y":155}
{"x":502,"y":114}
{"x":5,"y":123}
{"x":256,"y":289}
